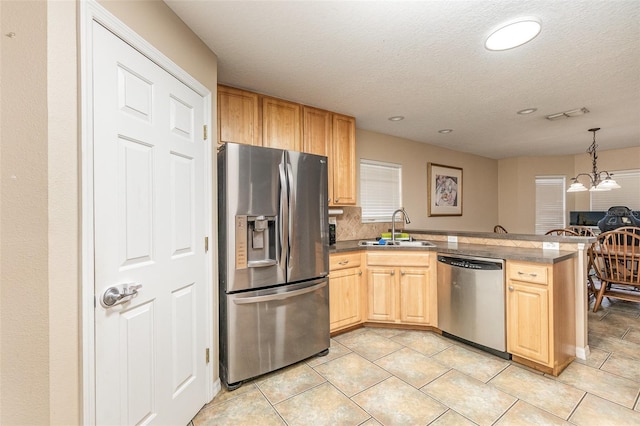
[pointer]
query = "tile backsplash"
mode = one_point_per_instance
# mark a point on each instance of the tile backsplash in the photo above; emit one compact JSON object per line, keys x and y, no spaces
{"x":349,"y":226}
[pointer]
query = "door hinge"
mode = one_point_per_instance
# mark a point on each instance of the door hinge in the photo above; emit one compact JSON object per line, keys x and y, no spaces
{"x":206,"y":356}
{"x":206,"y":244}
{"x":205,"y":132}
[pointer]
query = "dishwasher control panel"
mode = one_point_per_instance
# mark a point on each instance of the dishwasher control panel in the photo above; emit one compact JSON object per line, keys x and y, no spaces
{"x":472,"y":262}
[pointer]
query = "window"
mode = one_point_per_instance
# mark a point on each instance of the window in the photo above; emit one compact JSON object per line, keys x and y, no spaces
{"x":628,"y":195}
{"x":380,"y":190}
{"x":550,"y":203}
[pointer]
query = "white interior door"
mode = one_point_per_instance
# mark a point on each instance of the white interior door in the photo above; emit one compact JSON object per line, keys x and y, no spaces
{"x":149,"y":226}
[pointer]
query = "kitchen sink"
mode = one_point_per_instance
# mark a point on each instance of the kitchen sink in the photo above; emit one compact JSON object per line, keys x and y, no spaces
{"x":415,"y":243}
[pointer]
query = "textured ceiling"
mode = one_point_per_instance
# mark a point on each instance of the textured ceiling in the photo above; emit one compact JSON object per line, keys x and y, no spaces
{"x":426,"y":61}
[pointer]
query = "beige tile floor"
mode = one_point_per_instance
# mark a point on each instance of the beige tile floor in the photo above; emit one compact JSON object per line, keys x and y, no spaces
{"x":375,"y":376}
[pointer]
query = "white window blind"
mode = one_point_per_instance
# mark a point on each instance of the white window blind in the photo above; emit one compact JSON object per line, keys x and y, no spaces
{"x":550,"y":203}
{"x":628,"y":195}
{"x":380,"y":190}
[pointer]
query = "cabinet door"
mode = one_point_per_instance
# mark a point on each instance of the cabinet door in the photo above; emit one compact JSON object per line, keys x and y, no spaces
{"x":381,"y":294}
{"x":281,"y":124}
{"x":343,"y":158}
{"x":344,"y":298}
{"x":528,"y":321}
{"x":316,"y":138}
{"x":414,"y":296}
{"x":316,"y":131}
{"x":238,"y":117}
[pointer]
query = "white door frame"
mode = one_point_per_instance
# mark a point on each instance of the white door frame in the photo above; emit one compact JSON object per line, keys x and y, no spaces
{"x":91,"y":11}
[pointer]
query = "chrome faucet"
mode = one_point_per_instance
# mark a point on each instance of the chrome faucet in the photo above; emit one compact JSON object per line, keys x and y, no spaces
{"x":393,"y":222}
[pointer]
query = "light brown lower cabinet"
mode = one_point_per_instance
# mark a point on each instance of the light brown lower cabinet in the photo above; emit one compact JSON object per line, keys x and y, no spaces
{"x":345,"y":291}
{"x":541,"y":314}
{"x":401,"y":288}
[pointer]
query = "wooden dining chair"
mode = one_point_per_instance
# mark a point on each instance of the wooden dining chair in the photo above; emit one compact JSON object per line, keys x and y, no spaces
{"x":563,"y":231}
{"x":615,"y":258}
{"x":499,"y":230}
{"x":583,"y":231}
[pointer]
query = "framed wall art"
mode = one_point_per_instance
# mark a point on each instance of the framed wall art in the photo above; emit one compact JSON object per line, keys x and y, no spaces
{"x":444,"y":188}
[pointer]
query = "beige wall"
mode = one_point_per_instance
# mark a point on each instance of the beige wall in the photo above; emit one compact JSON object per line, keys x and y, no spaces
{"x":40,"y":324}
{"x":517,"y":182}
{"x":24,"y":309}
{"x":512,"y":204}
{"x":480,"y":180}
{"x":517,"y":189}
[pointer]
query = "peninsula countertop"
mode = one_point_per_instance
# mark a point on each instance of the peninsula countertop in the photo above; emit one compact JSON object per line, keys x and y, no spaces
{"x":480,"y":250}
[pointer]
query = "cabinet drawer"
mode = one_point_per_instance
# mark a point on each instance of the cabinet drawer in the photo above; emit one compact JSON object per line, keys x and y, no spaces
{"x":399,"y":259}
{"x":529,"y":272}
{"x":344,"y":261}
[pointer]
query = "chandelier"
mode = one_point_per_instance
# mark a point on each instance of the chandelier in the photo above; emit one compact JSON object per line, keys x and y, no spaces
{"x":599,"y":181}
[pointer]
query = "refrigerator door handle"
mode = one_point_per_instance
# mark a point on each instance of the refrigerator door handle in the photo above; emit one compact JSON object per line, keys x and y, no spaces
{"x":278,"y":296}
{"x":283,"y":223}
{"x":261,"y":263}
{"x":292,"y":208}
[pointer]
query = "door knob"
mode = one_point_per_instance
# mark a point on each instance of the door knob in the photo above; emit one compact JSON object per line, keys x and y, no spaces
{"x":120,"y":293}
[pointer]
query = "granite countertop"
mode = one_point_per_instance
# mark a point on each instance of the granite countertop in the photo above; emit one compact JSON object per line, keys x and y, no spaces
{"x":481,"y":250}
{"x":499,"y":236}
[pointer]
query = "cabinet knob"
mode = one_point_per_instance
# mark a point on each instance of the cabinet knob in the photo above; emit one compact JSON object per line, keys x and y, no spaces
{"x":359,"y":272}
{"x":402,"y":272}
{"x":510,"y":288}
{"x":393,"y":272}
{"x":337,"y":200}
{"x":343,"y":262}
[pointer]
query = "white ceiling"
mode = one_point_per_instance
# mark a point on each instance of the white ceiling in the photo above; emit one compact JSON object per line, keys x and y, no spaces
{"x":426,"y":61}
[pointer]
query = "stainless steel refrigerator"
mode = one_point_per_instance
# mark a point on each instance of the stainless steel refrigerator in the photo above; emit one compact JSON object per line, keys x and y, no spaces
{"x":273,"y":259}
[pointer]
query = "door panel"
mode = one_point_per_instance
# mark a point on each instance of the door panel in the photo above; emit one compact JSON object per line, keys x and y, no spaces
{"x":138,"y":346}
{"x":414,"y":287}
{"x":135,"y":180}
{"x":528,"y":321}
{"x":280,"y":326}
{"x":309,"y":217}
{"x":249,"y":186}
{"x":149,"y":217}
{"x":381,"y":294}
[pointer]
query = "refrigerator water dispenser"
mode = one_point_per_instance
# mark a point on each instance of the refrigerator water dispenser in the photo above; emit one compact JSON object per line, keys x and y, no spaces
{"x":255,"y":241}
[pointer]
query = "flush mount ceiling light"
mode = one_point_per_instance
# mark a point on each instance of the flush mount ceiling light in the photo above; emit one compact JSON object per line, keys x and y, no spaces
{"x":445,"y":131}
{"x":513,"y":34}
{"x":396,"y":118}
{"x":527,"y":111}
{"x":568,"y":114}
{"x":599,"y":181}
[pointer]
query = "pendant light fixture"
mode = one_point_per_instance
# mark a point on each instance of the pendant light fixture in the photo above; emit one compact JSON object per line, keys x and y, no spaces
{"x":599,"y":181}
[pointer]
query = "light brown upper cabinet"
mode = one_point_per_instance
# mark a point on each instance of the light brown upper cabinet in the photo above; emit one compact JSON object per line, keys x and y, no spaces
{"x":238,"y":116}
{"x":317,"y":138}
{"x":343,"y":158}
{"x":281,"y":124}
{"x":317,"y":131}
{"x":333,"y":135}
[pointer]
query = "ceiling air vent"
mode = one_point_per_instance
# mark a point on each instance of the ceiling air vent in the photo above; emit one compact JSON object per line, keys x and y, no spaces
{"x":568,"y":114}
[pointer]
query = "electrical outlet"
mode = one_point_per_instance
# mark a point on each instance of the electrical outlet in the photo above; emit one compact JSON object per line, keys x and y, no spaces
{"x":452,"y":239}
{"x":550,"y":246}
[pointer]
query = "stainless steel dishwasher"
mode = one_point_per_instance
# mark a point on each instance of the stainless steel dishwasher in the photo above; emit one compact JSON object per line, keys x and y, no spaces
{"x":471,"y":301}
